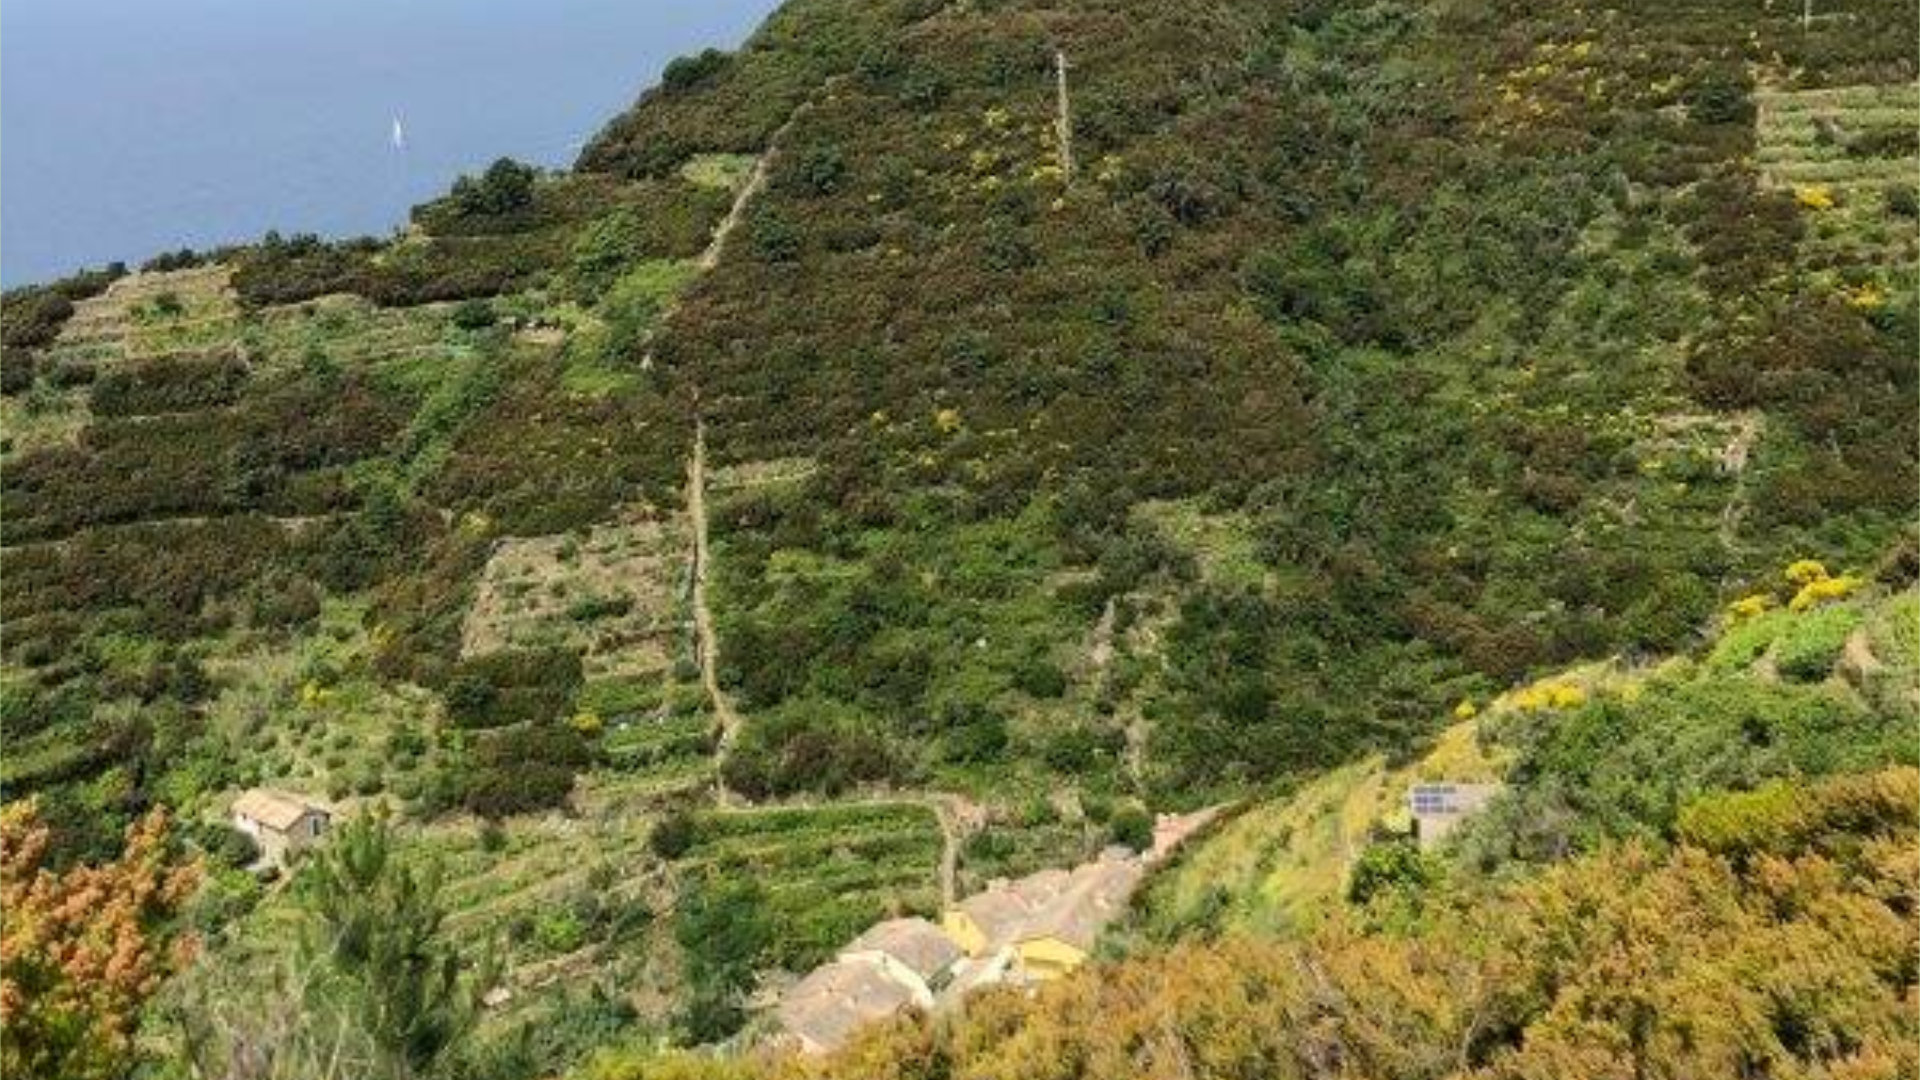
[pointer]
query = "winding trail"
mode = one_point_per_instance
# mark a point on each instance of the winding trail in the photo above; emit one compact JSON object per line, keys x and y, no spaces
{"x":959,"y":818}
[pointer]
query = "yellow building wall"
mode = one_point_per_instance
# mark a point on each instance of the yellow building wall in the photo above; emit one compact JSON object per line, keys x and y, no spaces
{"x":1048,"y":958}
{"x":961,"y":928}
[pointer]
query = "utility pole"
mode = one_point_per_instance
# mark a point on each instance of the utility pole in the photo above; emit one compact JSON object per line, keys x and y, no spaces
{"x":1063,"y":123}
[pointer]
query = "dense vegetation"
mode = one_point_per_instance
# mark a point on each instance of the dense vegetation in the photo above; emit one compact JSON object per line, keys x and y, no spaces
{"x":1334,"y":367}
{"x":1479,"y":404}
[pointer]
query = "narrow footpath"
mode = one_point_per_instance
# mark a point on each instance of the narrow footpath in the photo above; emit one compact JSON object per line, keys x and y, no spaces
{"x":706,"y":641}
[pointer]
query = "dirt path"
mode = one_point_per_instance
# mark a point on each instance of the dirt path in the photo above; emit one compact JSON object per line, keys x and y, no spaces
{"x":706,"y":641}
{"x":1733,"y":462}
{"x":756,"y":182}
{"x":959,"y":818}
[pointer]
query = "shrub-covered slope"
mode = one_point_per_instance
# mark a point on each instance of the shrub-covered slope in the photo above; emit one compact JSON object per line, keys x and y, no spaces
{"x":1093,"y":406}
{"x":1486,"y":322}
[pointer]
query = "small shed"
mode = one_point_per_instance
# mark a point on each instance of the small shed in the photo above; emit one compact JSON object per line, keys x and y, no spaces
{"x":281,"y":823}
{"x":1439,"y":807}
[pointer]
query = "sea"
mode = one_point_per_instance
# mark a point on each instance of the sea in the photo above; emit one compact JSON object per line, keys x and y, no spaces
{"x":133,"y":127}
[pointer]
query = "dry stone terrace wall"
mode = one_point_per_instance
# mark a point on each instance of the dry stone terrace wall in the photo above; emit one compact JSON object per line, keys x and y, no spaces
{"x":615,"y":593}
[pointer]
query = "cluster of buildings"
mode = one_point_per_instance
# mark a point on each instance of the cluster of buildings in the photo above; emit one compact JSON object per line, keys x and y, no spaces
{"x":1018,"y":932}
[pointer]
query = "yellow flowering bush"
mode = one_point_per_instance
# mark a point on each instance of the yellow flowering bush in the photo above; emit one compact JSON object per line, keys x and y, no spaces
{"x":1867,"y":297}
{"x":1814,"y":585}
{"x":1823,"y":590}
{"x":1748,"y":607}
{"x":947,"y":421}
{"x":1566,"y":696}
{"x":1550,"y":694}
{"x":1814,"y":196}
{"x":587,"y":723}
{"x":1466,"y":710}
{"x":1806,"y":571}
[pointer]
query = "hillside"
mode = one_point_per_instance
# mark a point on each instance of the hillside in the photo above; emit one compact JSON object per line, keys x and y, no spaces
{"x":1695,"y":867}
{"x":910,"y":450}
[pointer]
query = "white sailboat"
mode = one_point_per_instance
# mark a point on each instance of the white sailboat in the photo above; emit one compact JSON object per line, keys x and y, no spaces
{"x":399,"y":135}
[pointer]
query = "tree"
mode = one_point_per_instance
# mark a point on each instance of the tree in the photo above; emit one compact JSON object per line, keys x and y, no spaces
{"x":686,"y":72}
{"x":83,"y":949}
{"x":505,"y":187}
{"x":722,"y":927}
{"x":377,"y":938}
{"x":673,"y":835}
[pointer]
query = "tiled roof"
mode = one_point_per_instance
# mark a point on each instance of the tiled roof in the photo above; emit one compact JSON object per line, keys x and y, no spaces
{"x":924,"y":948}
{"x":277,"y":810}
{"x":1096,"y":894}
{"x":1001,"y":911}
{"x":826,"y":1006}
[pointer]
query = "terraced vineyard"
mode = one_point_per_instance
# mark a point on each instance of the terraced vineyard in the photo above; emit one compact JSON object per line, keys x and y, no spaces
{"x":827,"y":872}
{"x":614,"y":596}
{"x":1850,"y":155}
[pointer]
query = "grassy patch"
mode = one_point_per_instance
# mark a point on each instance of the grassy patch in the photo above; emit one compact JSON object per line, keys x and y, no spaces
{"x":724,"y":171}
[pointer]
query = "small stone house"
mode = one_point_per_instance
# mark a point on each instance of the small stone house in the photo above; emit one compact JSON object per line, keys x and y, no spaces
{"x":1439,"y":807}
{"x":281,"y":823}
{"x":1061,"y":935}
{"x":912,"y":951}
{"x":834,"y":1000}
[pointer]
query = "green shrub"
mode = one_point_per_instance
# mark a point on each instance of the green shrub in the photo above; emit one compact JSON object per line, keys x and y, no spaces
{"x":1390,"y":867}
{"x":474,"y":314}
{"x":683,"y":73}
{"x":181,"y":384}
{"x":505,"y":187}
{"x":1811,"y":642}
{"x":673,"y":835}
{"x":810,"y":745}
{"x":1718,"y":98}
{"x":774,"y":236}
{"x":1041,"y":678}
{"x":520,"y":788}
{"x":559,"y":932}
{"x":1131,"y":826}
{"x":1902,"y":200}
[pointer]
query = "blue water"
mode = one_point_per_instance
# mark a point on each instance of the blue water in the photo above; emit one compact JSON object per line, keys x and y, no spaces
{"x":130,"y":127}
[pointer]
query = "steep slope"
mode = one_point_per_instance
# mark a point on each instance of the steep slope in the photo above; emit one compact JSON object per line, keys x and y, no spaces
{"x":1500,"y":342}
{"x":1098,"y":405}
